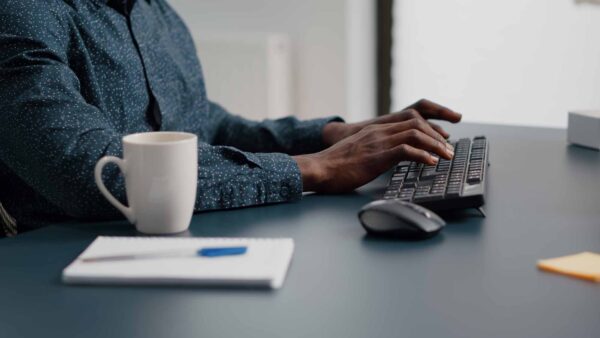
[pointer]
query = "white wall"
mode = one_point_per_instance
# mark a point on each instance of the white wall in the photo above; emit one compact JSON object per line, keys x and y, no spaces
{"x":511,"y":61}
{"x":318,"y":37}
{"x":249,"y":73}
{"x":360,"y":57}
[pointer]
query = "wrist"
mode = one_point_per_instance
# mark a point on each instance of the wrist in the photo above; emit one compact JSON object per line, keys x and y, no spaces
{"x":311,"y":170}
{"x":333,"y":132}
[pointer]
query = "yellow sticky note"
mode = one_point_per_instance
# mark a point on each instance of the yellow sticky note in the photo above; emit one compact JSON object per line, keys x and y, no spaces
{"x":584,"y":265}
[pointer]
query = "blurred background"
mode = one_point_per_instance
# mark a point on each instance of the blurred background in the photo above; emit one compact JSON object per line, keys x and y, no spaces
{"x":522,"y":62}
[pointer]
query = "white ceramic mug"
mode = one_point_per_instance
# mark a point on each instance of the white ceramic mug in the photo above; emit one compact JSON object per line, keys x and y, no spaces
{"x":161,"y":174}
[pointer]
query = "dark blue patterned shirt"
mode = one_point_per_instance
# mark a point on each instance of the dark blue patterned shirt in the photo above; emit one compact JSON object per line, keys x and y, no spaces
{"x":78,"y":75}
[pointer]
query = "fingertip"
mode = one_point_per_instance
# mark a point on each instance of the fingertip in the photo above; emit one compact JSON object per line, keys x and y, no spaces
{"x":458,"y":117}
{"x":446,"y":156}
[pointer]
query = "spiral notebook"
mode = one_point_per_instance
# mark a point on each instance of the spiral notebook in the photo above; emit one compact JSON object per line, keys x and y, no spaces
{"x":264,"y":264}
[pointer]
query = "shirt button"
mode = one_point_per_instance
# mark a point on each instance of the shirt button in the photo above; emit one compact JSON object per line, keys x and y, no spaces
{"x":285,"y":192}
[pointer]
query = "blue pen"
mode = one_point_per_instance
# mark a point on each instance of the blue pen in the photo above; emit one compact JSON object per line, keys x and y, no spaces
{"x":203,"y":252}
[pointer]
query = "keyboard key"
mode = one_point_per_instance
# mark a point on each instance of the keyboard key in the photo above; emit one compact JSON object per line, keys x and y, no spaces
{"x":393,"y":188}
{"x":412,"y":176}
{"x":438,"y":190}
{"x":389,"y":195}
{"x":404,"y":196}
{"x":440,"y":180}
{"x":423,"y":190}
{"x":409,"y":185}
{"x":473,"y":179}
{"x":428,"y":198}
{"x":397,"y":178}
{"x":428,"y":175}
{"x":414,"y":166}
{"x":452,"y":194}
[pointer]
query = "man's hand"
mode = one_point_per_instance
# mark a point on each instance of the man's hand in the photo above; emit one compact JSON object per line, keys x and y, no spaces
{"x":424,"y":109}
{"x":361,"y":157}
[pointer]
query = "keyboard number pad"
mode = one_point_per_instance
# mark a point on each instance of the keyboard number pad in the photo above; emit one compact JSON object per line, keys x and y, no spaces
{"x":476,"y":161}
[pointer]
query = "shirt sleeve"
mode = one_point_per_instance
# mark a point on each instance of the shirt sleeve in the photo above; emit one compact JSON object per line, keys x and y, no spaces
{"x":231,"y":178}
{"x":286,"y":135}
{"x":51,"y":138}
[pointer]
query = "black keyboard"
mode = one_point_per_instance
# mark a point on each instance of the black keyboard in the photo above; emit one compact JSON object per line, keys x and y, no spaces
{"x":451,"y":184}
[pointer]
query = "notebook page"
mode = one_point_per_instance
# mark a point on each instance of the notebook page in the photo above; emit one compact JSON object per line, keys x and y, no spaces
{"x":264,"y":264}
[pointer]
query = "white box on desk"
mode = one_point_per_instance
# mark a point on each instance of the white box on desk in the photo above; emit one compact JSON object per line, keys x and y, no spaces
{"x":584,"y":128}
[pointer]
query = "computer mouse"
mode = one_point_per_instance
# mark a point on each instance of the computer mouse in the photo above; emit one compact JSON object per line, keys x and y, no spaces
{"x":404,"y":220}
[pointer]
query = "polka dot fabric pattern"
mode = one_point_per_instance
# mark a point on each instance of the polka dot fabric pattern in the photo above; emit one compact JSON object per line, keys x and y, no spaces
{"x":78,"y":75}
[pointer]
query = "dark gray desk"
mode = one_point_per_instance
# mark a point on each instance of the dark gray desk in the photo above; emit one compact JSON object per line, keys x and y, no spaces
{"x":478,"y":279}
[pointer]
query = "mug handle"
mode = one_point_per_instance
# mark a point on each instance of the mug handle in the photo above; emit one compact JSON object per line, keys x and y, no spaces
{"x":127,"y":211}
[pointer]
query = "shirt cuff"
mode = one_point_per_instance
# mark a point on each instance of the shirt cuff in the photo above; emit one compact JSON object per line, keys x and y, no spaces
{"x":281,"y":176}
{"x":309,"y":136}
